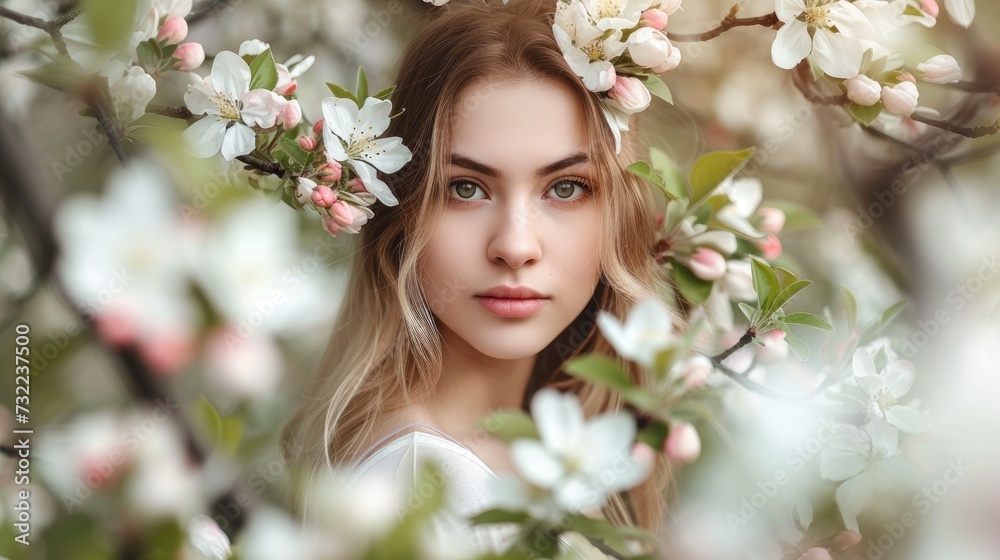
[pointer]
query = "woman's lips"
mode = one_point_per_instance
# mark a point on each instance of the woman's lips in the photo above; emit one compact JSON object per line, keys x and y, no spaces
{"x":511,"y":307}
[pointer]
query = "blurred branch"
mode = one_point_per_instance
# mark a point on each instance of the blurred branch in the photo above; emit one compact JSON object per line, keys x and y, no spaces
{"x":172,"y":112}
{"x":801,"y":77}
{"x":976,"y":87}
{"x":729,"y":22}
{"x":29,"y":197}
{"x":202,"y":12}
{"x":968,"y":132}
{"x":53,"y":27}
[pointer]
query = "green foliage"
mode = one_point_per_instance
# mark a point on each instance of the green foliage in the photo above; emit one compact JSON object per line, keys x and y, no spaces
{"x":225,"y":432}
{"x":110,"y":21}
{"x":602,"y":370}
{"x":290,"y":155}
{"x":655,"y":85}
{"x":712,"y":169}
{"x":866,"y":115}
{"x":693,"y":289}
{"x":263,"y":72}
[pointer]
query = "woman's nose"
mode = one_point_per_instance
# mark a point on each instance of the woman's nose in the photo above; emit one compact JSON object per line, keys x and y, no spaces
{"x":514,"y":240}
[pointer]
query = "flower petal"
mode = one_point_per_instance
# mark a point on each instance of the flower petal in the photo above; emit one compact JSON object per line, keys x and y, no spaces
{"x":961,"y":12}
{"x":837,"y":55}
{"x":374,"y":185}
{"x":898,"y":377}
{"x":339,"y":116}
{"x":558,"y":418}
{"x":535,"y":463}
{"x":230,"y":75}
{"x":791,"y":44}
{"x":852,"y":497}
{"x":238,"y":141}
{"x":908,"y":419}
{"x":864,"y":365}
{"x":374,"y":116}
{"x":789,"y":9}
{"x":387,"y":155}
{"x":204,"y":138}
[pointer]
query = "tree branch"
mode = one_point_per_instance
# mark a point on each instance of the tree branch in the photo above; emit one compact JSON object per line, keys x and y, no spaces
{"x":53,"y":28}
{"x":729,"y":22}
{"x":975,"y":87}
{"x":968,"y":132}
{"x":172,"y":112}
{"x":270,"y":167}
{"x":747,"y":338}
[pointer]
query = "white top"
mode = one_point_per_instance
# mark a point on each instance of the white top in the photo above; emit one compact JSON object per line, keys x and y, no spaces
{"x":465,"y":475}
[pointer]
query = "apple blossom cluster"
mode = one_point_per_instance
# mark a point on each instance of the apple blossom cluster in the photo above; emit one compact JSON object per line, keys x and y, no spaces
{"x":851,"y":42}
{"x":331,"y":169}
{"x":619,"y":49}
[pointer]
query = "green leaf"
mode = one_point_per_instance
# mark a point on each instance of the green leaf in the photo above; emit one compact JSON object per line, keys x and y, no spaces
{"x":785,"y":277}
{"x":865,"y":114}
{"x":765,"y":283}
{"x":342,"y":93}
{"x":653,"y":435}
{"x":149,"y":54}
{"x":602,"y":370}
{"x":800,"y":348}
{"x":509,"y":424}
{"x":497,"y":515}
{"x":786,"y":294}
{"x":290,"y":155}
{"x":673,"y":179}
{"x":714,"y":168}
{"x":890,"y":314}
{"x":656,"y":87}
{"x":641,"y":398}
{"x":808,"y":320}
{"x":693,"y":289}
{"x":851,"y":306}
{"x":263,"y":72}
{"x":748,"y":311}
{"x":209,"y":419}
{"x":110,"y":21}
{"x":642,"y":169}
{"x":386,"y":93}
{"x":362,"y":89}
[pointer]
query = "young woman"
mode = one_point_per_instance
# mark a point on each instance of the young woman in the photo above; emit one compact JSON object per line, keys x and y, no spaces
{"x":517,"y":221}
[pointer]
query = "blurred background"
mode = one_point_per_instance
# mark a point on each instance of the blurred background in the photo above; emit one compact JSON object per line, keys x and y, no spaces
{"x":229,"y":296}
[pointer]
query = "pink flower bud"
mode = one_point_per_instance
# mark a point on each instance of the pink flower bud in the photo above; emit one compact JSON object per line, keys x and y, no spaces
{"x":286,"y":85}
{"x":900,"y":99}
{"x":340,"y":211}
{"x":630,"y":93}
{"x":657,"y":19}
{"x":707,"y":264}
{"x":357,"y":185}
{"x":863,"y":90}
{"x":846,"y":540}
{"x":323,"y":196}
{"x":291,"y":115}
{"x":318,"y":126}
{"x":907,"y":77}
{"x":771,"y":247}
{"x":174,"y":30}
{"x":695,"y":370}
{"x":189,"y":56}
{"x":643,"y":454}
{"x":330,"y":171}
{"x":330,"y":225}
{"x":930,"y":7}
{"x":816,"y":553}
{"x":940,"y":69}
{"x":683,"y":443}
{"x":359,"y":218}
{"x":774,"y":220}
{"x":307,"y":143}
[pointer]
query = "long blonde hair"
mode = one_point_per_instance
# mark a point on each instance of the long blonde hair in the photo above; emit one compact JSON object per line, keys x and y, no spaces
{"x":385,"y":349}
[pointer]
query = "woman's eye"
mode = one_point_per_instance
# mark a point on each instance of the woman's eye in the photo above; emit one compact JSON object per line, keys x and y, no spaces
{"x":465,"y":190}
{"x":564,"y":190}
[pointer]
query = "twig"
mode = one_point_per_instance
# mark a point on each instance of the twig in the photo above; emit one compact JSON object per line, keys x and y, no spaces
{"x":53,"y":28}
{"x":172,"y":112}
{"x":729,"y":22}
{"x":603,"y":547}
{"x":271,"y":167}
{"x":968,"y":132}
{"x":114,"y":139}
{"x":800,"y":77}
{"x":747,"y":338}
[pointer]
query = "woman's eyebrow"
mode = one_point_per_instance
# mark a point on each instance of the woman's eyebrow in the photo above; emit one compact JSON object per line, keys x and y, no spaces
{"x":469,"y":163}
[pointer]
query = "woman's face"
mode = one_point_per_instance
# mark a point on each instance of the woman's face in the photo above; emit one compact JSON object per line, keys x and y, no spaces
{"x":520,"y":213}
